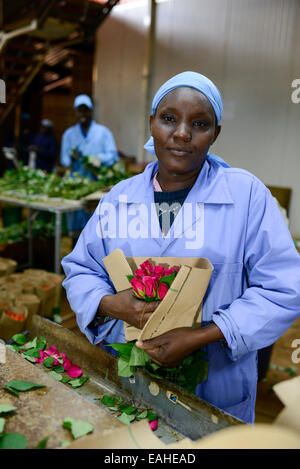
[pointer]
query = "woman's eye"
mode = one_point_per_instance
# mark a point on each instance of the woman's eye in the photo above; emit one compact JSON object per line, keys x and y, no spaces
{"x":168,"y":118}
{"x":199,"y":124}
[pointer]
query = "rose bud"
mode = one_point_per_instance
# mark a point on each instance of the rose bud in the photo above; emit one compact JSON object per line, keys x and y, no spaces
{"x":138,"y":287}
{"x":162,"y":291}
{"x":150,"y":286}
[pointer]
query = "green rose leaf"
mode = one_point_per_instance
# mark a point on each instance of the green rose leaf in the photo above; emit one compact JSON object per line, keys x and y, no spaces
{"x":13,"y":347}
{"x":127,"y":409}
{"x":31,"y":344}
{"x":151,"y":416}
{"x":123,"y":349}
{"x":142,"y":415}
{"x":109,"y":401}
{"x":13,"y":391}
{"x":42,"y":444}
{"x":34,"y":352}
{"x":19,"y":385}
{"x":48,"y":362}
{"x":4,"y":408}
{"x":77,"y":382}
{"x":55,"y":375}
{"x":138,"y":357}
{"x":19,"y":339}
{"x":127,"y":419}
{"x":2,"y":424}
{"x":66,"y":379}
{"x":78,"y":427}
{"x":59,"y":369}
{"x":41,"y":343}
{"x":124,"y":369}
{"x":13,"y":441}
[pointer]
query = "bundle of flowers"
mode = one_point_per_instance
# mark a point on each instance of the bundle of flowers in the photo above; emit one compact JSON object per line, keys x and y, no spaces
{"x":151,"y":282}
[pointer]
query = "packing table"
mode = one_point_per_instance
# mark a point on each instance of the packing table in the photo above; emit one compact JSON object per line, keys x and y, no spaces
{"x":56,"y":206}
{"x":40,"y":413}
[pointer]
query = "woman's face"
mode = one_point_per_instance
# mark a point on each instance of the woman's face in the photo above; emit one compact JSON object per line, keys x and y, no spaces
{"x":183,"y":129}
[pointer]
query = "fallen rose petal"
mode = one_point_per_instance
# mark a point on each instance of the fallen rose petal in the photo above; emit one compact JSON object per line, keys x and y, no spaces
{"x":153,"y":425}
{"x":51,"y":350}
{"x":74,"y":371}
{"x":43,"y":355}
{"x":66,"y":364}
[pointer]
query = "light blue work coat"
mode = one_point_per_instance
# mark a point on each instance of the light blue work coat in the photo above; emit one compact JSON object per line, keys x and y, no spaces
{"x":254,"y":292}
{"x":98,"y":141}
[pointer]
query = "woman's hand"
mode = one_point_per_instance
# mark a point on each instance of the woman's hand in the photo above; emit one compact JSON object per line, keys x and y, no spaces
{"x":170,"y":348}
{"x":124,"y":305}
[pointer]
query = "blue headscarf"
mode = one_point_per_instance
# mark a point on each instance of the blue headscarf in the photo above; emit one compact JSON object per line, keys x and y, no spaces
{"x":200,"y":83}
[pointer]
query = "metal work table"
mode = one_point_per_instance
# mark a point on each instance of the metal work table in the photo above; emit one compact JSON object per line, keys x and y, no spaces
{"x":40,"y":413}
{"x":56,"y":206}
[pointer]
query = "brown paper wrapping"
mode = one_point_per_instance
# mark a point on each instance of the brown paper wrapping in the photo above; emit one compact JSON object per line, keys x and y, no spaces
{"x":46,"y":292}
{"x":10,"y":327}
{"x":32,"y":303}
{"x":57,"y":280}
{"x":10,"y":265}
{"x":182,"y":305}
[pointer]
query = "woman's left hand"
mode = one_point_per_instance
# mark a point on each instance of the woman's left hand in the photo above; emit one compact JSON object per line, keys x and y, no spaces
{"x":171,"y":348}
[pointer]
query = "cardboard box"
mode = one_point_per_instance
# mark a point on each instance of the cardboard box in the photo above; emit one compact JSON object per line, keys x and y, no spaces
{"x":9,"y":326}
{"x":182,"y":305}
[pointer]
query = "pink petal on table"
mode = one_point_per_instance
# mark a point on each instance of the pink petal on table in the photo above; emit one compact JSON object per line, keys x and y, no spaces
{"x":66,"y":363}
{"x":51,"y":350}
{"x":74,"y":371}
{"x":153,"y":425}
{"x":43,"y":355}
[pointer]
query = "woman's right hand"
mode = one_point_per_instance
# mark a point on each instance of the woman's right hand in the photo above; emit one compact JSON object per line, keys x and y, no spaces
{"x":125,"y":306}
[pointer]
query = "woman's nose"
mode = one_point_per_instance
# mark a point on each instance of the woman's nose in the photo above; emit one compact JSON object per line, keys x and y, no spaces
{"x":183,"y":131}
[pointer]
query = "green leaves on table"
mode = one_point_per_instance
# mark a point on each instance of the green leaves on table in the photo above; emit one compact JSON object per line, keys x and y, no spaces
{"x":20,"y":339}
{"x":2,"y":424}
{"x":78,"y":427}
{"x":15,"y":386}
{"x":5,"y":408}
{"x":128,"y":413}
{"x":13,"y":441}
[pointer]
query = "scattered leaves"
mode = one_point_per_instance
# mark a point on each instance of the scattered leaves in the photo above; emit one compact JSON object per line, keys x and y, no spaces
{"x":78,"y":427}
{"x":4,"y":408}
{"x":13,"y":441}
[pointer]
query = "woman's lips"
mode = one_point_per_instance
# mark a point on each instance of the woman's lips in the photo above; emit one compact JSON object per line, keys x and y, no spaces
{"x":179,"y":151}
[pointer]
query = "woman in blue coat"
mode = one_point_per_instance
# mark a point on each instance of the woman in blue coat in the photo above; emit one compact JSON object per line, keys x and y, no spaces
{"x":191,"y":204}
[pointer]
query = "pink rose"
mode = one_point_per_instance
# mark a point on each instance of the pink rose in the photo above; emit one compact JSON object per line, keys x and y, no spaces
{"x":138,"y":287}
{"x":153,"y":425}
{"x":147,"y":268}
{"x":150,"y":286}
{"x":159,"y":271}
{"x":162,"y":290}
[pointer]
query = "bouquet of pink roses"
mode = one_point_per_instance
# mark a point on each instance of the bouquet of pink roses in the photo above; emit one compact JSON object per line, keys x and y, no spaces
{"x":151,"y":282}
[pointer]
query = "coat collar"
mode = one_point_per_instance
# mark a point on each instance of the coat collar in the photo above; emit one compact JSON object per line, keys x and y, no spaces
{"x":211,"y":186}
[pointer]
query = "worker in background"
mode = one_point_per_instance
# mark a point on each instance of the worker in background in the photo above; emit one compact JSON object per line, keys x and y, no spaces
{"x":44,"y":148}
{"x":86,"y":138}
{"x":20,"y":143}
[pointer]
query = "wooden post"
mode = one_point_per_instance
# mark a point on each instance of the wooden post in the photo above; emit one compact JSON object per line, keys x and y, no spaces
{"x":147,"y":79}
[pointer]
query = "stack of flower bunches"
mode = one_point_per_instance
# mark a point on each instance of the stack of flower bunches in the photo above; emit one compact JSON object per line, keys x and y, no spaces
{"x":151,"y":282}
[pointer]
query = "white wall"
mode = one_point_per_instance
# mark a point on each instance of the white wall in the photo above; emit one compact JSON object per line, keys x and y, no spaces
{"x":249,"y":48}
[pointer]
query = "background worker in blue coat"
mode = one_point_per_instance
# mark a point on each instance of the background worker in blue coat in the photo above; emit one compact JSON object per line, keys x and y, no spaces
{"x":45,"y":146}
{"x":227,"y":215}
{"x":86,"y":138}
